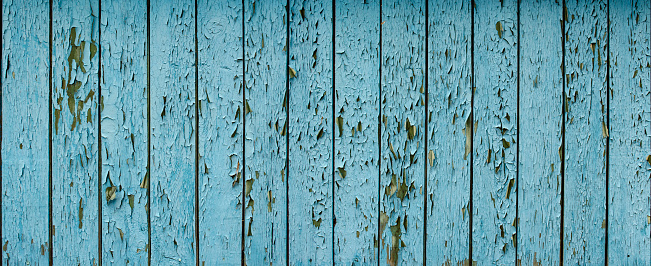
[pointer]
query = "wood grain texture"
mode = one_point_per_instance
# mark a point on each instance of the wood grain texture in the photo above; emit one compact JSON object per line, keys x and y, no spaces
{"x":124,"y":132}
{"x":629,"y":220}
{"x":25,"y":145}
{"x":75,"y":28}
{"x":586,"y":28}
{"x":402,"y":127}
{"x":265,"y":112}
{"x":172,"y":104}
{"x":310,"y":127}
{"x":357,"y":156}
{"x":221,"y":115}
{"x":495,"y":137}
{"x":448,"y":174}
{"x":541,"y":100}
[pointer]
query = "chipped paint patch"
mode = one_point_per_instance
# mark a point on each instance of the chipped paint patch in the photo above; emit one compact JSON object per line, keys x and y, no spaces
{"x":541,"y":123}
{"x":219,"y":35}
{"x":310,"y":173}
{"x":495,"y":117}
{"x":75,"y":141}
{"x":629,"y":183}
{"x":402,"y":131}
{"x":124,"y":132}
{"x":172,"y":135}
{"x":25,"y":94}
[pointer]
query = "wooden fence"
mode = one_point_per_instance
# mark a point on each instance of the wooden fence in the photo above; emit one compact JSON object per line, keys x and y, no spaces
{"x":308,"y":132}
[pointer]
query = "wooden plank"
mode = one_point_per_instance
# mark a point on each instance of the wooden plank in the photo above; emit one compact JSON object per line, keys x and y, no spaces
{"x":496,"y":128}
{"x":25,"y":145}
{"x":586,"y":31}
{"x":629,"y":221}
{"x":172,"y":104}
{"x":541,"y":100}
{"x":220,"y":131}
{"x":310,"y":173}
{"x":402,"y":174}
{"x":357,"y":155}
{"x":266,"y":149}
{"x":74,"y":141}
{"x":124,"y":132}
{"x":448,"y":174}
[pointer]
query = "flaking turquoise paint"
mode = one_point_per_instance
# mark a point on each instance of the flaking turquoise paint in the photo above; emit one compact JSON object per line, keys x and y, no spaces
{"x":448,"y":167}
{"x":629,"y":196}
{"x":25,"y":144}
{"x":221,"y":115}
{"x":75,"y":27}
{"x":124,"y":132}
{"x":494,"y":138}
{"x":172,"y":107}
{"x":541,"y":101}
{"x":359,"y":188}
{"x":265,"y":112}
{"x":402,"y":132}
{"x":585,"y":132}
{"x":310,"y":133}
{"x":356,"y":129}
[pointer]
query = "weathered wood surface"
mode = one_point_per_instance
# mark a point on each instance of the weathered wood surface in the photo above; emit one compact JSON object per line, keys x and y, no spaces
{"x":357,"y":50}
{"x":449,"y":105}
{"x":74,"y":190}
{"x":172,"y":128}
{"x":541,"y":136}
{"x":310,"y":129}
{"x":629,"y":232}
{"x":221,"y":116}
{"x":495,"y":128}
{"x":124,"y":131}
{"x":402,"y":129}
{"x":25,"y":159}
{"x":265,"y":112}
{"x":585,"y":132}
{"x":311,"y":132}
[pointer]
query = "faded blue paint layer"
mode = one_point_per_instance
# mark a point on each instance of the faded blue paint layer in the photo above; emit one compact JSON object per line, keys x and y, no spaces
{"x":585,"y":132}
{"x":495,"y":137}
{"x":310,"y":133}
{"x":356,"y":131}
{"x":446,"y":157}
{"x":629,"y":220}
{"x":25,"y":145}
{"x":221,"y":114}
{"x":172,"y":107}
{"x":402,"y":172}
{"x":124,"y":132}
{"x":265,"y":112}
{"x":75,"y":27}
{"x":541,"y":100}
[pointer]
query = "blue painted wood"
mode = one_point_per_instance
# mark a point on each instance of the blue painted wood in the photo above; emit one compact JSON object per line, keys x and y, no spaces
{"x":172,"y":106}
{"x":265,"y":112}
{"x":25,"y":145}
{"x":75,"y":28}
{"x":357,"y":156}
{"x":310,"y":132}
{"x":585,"y":132}
{"x":336,"y":208}
{"x":629,"y":217}
{"x":310,"y":128}
{"x":541,"y":100}
{"x":403,"y":120}
{"x":495,"y":186}
{"x":124,"y":132}
{"x":448,"y":174}
{"x":221,"y":115}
